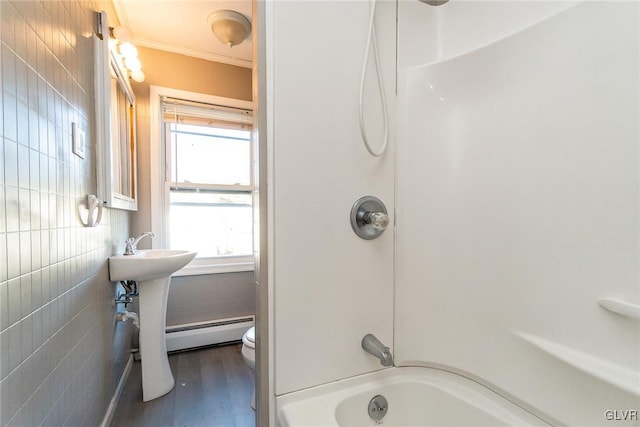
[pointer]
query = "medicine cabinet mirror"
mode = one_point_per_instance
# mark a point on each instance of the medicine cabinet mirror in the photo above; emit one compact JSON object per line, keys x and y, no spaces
{"x":115,"y":126}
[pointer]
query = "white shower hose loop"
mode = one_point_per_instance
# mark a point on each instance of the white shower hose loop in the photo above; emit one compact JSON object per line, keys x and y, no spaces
{"x":372,"y":38}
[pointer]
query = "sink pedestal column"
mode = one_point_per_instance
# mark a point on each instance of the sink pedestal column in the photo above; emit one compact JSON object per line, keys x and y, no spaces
{"x":157,"y":379}
{"x":152,"y":269}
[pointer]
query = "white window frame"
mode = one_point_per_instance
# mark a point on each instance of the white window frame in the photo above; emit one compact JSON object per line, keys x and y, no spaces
{"x":158,"y":198}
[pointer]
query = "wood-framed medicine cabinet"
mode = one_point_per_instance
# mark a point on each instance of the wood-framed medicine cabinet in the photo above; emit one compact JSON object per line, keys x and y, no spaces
{"x":115,"y":104}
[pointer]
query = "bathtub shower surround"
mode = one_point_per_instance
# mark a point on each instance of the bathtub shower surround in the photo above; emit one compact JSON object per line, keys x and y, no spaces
{"x":525,"y":183}
{"x":326,"y":276}
{"x":511,"y":180}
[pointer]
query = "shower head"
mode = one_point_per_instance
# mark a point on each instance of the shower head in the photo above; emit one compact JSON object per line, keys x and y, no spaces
{"x":434,"y":2}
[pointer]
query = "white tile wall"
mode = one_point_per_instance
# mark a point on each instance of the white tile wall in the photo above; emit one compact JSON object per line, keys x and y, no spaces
{"x":57,"y":364}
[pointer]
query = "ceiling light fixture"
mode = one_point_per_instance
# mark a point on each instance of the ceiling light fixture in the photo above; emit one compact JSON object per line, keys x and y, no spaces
{"x":229,"y":26}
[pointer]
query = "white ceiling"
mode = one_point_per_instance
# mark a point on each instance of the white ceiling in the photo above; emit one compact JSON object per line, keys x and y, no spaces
{"x":180,"y":26}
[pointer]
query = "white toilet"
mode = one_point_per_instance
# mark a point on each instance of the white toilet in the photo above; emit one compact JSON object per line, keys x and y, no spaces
{"x":249,"y":354}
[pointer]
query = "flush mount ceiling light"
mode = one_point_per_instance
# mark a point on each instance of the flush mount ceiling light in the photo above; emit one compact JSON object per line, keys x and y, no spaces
{"x":229,"y":26}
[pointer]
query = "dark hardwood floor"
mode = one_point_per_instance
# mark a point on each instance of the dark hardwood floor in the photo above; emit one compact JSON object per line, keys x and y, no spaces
{"x":213,"y":388}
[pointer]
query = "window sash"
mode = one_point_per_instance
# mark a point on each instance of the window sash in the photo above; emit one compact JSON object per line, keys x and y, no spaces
{"x":201,"y":114}
{"x":176,"y":110}
{"x":209,"y":187}
{"x":173,"y":142}
{"x":222,"y":222}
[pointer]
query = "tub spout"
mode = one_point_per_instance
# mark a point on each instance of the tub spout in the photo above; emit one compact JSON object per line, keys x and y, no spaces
{"x":373,"y":346}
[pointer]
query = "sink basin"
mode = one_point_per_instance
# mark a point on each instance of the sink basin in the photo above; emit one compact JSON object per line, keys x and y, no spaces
{"x":148,"y":264}
{"x":152,"y":269}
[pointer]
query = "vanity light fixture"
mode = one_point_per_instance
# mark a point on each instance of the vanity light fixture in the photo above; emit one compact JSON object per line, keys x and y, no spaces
{"x":126,"y":53}
{"x":229,"y":26}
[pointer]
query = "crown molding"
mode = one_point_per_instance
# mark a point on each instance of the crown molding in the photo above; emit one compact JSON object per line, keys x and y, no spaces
{"x":193,"y":53}
{"x":208,"y":56}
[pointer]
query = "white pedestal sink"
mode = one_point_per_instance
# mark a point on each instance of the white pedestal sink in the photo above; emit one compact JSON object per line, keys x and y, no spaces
{"x":152,"y":270}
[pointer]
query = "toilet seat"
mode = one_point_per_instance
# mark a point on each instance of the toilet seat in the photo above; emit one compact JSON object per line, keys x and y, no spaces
{"x":249,"y":354}
{"x":249,"y":338}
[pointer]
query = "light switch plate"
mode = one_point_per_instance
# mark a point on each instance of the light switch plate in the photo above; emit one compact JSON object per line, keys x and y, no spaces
{"x":77,"y":140}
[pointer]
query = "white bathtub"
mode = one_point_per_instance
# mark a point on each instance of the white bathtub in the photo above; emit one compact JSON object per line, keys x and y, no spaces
{"x":415,"y":396}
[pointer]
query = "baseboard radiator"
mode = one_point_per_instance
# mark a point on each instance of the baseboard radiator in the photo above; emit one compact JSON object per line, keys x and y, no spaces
{"x":192,"y":335}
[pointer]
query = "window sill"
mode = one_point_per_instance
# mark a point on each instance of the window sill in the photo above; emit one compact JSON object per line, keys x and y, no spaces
{"x":200,"y":267}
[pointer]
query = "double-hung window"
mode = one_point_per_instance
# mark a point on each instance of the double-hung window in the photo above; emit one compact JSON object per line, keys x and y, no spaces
{"x":208,"y":183}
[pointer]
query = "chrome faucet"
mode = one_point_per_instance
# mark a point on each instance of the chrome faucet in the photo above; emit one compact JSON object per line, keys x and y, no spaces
{"x":372,"y":345}
{"x":130,"y":245}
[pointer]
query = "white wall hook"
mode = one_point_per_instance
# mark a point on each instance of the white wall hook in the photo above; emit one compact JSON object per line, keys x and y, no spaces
{"x":93,"y":211}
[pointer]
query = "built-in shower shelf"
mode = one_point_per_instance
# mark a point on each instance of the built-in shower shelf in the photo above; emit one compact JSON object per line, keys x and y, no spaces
{"x":618,"y":376}
{"x":623,"y":308}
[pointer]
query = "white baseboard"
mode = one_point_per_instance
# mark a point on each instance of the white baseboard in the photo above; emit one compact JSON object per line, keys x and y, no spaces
{"x":111,"y":409}
{"x":180,"y":337}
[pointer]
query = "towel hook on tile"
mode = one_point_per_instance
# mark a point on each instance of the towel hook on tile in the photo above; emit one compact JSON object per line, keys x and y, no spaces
{"x":93,"y":209}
